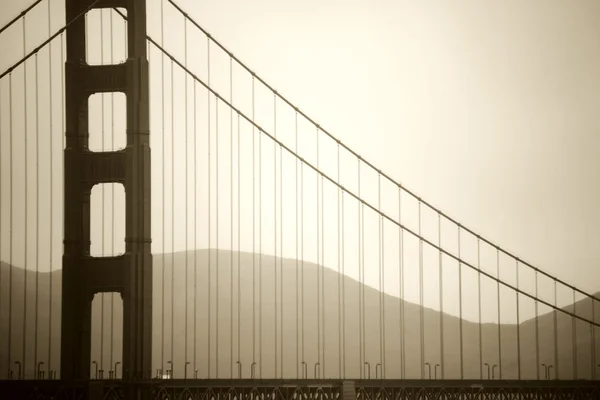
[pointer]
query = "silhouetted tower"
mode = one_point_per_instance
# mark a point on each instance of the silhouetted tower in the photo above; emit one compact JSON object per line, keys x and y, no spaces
{"x":130,"y":274}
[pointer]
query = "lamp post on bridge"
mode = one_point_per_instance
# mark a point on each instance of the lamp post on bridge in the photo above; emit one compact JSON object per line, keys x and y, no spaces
{"x":170,"y":371}
{"x":488,"y":369}
{"x":116,"y":365}
{"x":39,"y":372}
{"x":95,"y":364}
{"x":545,"y":371}
{"x":378,"y":366}
{"x":185,"y":369}
{"x":429,"y":368}
{"x":368,"y":369}
{"x":493,"y":371}
{"x":435,"y":370}
{"x":18,"y":363}
{"x":549,"y":368}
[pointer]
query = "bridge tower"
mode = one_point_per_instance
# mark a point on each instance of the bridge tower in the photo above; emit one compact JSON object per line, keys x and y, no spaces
{"x":129,"y":274}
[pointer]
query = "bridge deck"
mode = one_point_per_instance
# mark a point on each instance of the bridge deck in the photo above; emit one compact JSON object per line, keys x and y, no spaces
{"x":305,"y":389}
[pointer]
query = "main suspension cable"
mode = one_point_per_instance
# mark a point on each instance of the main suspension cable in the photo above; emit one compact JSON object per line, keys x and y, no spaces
{"x":367,"y":163}
{"x":361,"y":201}
{"x":45,"y":42}
{"x":22,"y":14}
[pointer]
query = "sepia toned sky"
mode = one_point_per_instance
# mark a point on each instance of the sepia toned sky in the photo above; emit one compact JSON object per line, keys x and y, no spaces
{"x":487,"y":110}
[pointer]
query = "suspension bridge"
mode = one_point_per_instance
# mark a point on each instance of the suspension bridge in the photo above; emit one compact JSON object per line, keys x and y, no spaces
{"x":173,"y":227}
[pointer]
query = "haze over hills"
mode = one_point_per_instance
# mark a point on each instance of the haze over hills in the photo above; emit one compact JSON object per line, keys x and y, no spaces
{"x":281,"y":328}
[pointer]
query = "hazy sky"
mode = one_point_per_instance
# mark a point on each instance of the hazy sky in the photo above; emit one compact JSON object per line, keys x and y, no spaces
{"x":488,"y":110}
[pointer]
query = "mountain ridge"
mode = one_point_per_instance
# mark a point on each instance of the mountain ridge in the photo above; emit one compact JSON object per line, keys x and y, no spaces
{"x":282,"y":329}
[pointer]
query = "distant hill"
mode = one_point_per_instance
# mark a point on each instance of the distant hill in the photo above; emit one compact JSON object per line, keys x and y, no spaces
{"x":266,"y":365}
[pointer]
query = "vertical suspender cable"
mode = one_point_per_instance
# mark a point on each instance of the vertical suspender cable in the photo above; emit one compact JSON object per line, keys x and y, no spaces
{"x":231,"y":220}
{"x":518,"y":326}
{"x":323,"y":362}
{"x":51,"y":225}
{"x":441,"y":297}
{"x":217,"y":237}
{"x":1,"y":226}
{"x":239,"y":304}
{"x":253,"y":232}
{"x":537,"y":330}
{"x":63,"y":119}
{"x":275,"y":229}
{"x":208,"y":216}
{"x":479,"y":307}
{"x":172,"y":220}
{"x":381,"y":284}
{"x":185,"y":52}
{"x":362,"y":245}
{"x":281,"y":254}
{"x":25,"y":203}
{"x":10,"y":222}
{"x":63,"y":116}
{"x":102,"y":297}
{"x":37,"y":211}
{"x":1,"y":214}
{"x":163,"y":226}
{"x":421,"y":310}
{"x":318,"y":260}
{"x":302,"y":252}
{"x":112,"y":192}
{"x":401,"y":284}
{"x":460,"y":310}
{"x":379,"y":255}
{"x":574,"y":338}
{"x":360,"y":331}
{"x":297,"y":269}
{"x":593,"y":341}
{"x":195,"y":233}
{"x":499,"y":331}
{"x":340,"y":275}
{"x":260,"y":176}
{"x":343,"y":251}
{"x":555,"y":318}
